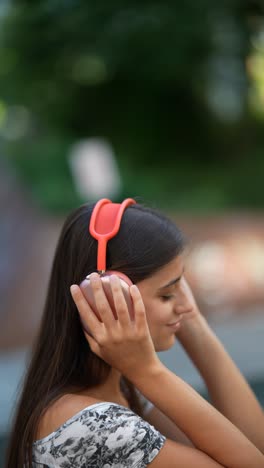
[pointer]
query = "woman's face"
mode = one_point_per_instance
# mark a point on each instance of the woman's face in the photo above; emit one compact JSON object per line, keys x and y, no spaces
{"x":165,"y":300}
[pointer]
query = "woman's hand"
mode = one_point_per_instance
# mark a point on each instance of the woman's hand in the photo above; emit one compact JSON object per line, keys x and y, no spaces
{"x":189,"y":303}
{"x":125,"y":344}
{"x":227,"y":387}
{"x":189,"y":307}
{"x":192,"y":320}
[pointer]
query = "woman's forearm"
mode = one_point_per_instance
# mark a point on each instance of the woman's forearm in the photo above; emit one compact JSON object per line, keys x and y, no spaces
{"x":228,"y":389}
{"x":208,"y":429}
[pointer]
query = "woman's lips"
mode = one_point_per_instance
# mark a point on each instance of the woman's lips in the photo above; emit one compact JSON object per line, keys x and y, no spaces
{"x":175,"y":325}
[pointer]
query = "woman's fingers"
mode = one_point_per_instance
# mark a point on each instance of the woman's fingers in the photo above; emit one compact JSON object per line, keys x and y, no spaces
{"x":93,"y":345}
{"x":87,"y":315}
{"x":123,"y":343}
{"x":101,"y":301}
{"x":89,"y":318}
{"x":139,"y":308}
{"x":119,"y":301}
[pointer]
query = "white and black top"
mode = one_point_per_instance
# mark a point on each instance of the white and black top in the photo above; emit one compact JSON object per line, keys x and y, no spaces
{"x":102,"y":435}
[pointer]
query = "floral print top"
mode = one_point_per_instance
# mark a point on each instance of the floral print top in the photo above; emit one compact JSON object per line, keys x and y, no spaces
{"x":102,"y":435}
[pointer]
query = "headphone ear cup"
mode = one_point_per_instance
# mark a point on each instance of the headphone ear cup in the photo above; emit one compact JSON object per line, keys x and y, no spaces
{"x":125,"y":283}
{"x":120,"y":275}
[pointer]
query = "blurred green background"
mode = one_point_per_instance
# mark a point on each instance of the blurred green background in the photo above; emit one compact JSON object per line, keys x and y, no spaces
{"x":176,"y":88}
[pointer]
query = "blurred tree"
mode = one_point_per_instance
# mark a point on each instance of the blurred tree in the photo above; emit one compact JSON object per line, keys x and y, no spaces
{"x":164,"y":81}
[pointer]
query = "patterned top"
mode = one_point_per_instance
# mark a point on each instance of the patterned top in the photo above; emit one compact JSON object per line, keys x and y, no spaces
{"x":102,"y":435}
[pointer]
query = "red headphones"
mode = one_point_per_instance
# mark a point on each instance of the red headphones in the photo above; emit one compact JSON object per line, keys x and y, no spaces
{"x":105,"y":224}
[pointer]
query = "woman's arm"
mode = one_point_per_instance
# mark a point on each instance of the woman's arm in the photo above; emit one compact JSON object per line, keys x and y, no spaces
{"x":208,"y":429}
{"x":128,"y":347}
{"x":228,"y":389}
{"x":166,"y":426}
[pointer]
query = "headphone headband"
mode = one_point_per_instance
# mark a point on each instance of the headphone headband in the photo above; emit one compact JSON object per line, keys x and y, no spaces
{"x":105,"y":223}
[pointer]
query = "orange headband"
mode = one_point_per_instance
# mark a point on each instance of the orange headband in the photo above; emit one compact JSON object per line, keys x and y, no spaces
{"x":105,"y":223}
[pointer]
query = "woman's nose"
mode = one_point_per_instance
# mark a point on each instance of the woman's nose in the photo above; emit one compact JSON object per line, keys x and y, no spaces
{"x":182,"y":308}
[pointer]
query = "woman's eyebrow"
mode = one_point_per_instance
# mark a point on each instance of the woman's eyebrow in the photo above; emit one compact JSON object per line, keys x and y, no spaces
{"x":171,"y":282}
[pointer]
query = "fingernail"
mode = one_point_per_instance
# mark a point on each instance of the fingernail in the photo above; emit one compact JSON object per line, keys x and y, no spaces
{"x":94,"y":276}
{"x":73,"y":288}
{"x":113,"y":278}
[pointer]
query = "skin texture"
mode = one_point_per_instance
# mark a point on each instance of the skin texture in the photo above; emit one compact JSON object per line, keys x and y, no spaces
{"x":129,"y":347}
{"x":122,"y":344}
{"x":163,"y":306}
{"x":167,"y":305}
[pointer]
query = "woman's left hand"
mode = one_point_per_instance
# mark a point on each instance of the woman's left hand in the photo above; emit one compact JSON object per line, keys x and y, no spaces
{"x":189,"y":305}
{"x":192,"y":319}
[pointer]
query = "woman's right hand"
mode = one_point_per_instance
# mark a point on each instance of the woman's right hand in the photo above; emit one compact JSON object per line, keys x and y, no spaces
{"x":127,"y":345}
{"x":124,"y":344}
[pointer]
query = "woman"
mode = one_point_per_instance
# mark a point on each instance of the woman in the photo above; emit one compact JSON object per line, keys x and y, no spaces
{"x":86,"y":396}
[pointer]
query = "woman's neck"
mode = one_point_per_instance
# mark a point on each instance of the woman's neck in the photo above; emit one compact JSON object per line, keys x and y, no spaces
{"x":110,"y":390}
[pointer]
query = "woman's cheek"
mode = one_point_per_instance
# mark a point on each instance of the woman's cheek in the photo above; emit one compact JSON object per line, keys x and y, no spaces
{"x":160,"y":313}
{"x":153,"y":314}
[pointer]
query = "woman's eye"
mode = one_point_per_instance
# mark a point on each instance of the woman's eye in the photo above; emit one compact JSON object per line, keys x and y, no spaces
{"x":167,"y":297}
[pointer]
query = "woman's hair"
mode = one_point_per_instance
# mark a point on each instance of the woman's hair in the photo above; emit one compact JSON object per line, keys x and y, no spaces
{"x":62,"y":360}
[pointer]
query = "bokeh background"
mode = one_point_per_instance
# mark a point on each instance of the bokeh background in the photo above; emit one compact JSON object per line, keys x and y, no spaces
{"x":159,"y":100}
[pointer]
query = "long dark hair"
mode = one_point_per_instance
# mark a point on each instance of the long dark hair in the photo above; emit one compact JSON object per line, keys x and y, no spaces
{"x":62,"y":359}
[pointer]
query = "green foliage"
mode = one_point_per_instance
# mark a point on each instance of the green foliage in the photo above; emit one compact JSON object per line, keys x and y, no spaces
{"x":138,"y":74}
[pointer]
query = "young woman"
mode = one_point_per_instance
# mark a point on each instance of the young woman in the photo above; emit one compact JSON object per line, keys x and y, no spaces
{"x":103,"y":398}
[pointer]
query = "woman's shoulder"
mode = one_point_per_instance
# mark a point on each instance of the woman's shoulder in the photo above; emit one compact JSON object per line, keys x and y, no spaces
{"x":72,"y":404}
{"x":92,"y":429}
{"x":63,"y":410}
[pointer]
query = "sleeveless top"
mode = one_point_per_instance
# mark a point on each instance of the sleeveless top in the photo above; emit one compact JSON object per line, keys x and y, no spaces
{"x":102,"y":435}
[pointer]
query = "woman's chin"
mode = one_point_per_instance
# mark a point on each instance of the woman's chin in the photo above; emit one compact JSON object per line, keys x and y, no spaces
{"x":165,"y":345}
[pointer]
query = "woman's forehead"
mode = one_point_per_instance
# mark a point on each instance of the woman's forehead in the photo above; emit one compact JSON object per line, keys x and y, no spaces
{"x":170,"y":272}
